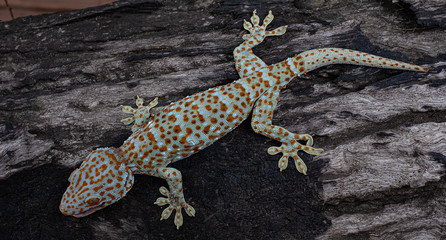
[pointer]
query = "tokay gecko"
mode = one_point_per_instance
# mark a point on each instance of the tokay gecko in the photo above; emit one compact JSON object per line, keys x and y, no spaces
{"x":195,"y":122}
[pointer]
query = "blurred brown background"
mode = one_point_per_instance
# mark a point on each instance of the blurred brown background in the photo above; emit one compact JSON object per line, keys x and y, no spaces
{"x":21,"y":8}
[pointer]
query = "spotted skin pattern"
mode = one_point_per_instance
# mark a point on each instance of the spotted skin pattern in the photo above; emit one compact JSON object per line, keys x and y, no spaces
{"x":195,"y":122}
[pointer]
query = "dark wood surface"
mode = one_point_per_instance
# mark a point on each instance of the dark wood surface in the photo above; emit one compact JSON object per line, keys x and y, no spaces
{"x":22,"y":8}
{"x":63,"y":77}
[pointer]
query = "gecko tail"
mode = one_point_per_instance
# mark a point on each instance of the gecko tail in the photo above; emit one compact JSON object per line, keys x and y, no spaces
{"x":316,"y":58}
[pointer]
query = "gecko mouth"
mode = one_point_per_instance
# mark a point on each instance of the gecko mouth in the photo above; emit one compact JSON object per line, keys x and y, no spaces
{"x":89,"y":211}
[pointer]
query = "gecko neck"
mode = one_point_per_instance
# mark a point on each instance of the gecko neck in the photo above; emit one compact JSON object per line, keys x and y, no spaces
{"x":128,"y":150}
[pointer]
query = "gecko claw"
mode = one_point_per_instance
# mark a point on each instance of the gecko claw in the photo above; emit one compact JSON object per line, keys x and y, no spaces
{"x":190,"y":211}
{"x":166,"y":213}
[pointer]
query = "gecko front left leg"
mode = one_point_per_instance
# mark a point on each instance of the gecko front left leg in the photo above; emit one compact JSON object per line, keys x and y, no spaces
{"x":175,"y":197}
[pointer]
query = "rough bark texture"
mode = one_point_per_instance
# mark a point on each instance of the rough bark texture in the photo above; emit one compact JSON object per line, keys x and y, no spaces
{"x":64,"y":75}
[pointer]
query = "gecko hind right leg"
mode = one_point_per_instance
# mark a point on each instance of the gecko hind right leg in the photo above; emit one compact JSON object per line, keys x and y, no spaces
{"x":246,"y":62}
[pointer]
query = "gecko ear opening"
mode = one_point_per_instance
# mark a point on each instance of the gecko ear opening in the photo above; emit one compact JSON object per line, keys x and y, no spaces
{"x":128,"y":178}
{"x":129,"y":181}
{"x":70,"y":178}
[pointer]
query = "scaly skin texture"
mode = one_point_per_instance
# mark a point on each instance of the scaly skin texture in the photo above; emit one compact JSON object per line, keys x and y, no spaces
{"x":195,"y":122}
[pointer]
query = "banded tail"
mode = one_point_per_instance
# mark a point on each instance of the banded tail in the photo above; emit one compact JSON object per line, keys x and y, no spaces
{"x":312,"y":59}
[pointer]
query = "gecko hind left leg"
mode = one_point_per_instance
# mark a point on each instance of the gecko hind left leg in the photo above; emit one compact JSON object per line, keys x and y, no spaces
{"x":262,"y":123}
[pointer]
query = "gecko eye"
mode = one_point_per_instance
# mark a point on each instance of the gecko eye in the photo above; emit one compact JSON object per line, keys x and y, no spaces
{"x":70,"y":178}
{"x":93,"y":200}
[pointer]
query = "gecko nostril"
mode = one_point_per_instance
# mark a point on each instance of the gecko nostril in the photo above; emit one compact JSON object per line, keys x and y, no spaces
{"x":63,"y":211}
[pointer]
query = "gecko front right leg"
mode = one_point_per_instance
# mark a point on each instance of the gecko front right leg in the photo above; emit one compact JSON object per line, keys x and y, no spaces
{"x":141,"y":115}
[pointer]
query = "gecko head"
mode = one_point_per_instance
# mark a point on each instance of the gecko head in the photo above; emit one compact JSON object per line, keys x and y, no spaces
{"x":101,"y":180}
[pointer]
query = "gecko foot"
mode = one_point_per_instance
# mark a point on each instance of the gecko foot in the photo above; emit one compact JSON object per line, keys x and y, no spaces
{"x":259,"y":32}
{"x":290,"y":150}
{"x":141,"y":115}
{"x":174,"y":203}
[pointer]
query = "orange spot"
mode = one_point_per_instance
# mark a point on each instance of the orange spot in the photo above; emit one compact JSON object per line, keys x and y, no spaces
{"x":230,"y":118}
{"x":151,"y":137}
{"x":201,"y":118}
{"x":172,"y":118}
{"x":111,"y":196}
{"x":177,"y":129}
{"x":206,"y":129}
{"x":223,"y":107}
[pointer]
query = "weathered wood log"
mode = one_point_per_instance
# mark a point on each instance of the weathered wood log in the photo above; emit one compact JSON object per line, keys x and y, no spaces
{"x":64,"y":75}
